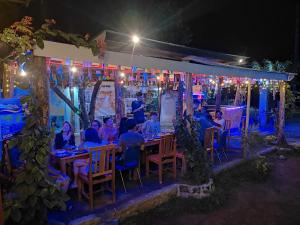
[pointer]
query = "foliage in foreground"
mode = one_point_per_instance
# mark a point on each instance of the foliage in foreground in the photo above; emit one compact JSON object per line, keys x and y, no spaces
{"x":198,"y":167}
{"x":33,"y":192}
{"x":226,"y":182}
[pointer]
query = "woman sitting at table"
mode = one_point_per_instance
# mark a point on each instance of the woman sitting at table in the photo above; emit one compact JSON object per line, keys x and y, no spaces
{"x":96,"y":125}
{"x":91,"y":139}
{"x":151,"y":126}
{"x":65,"y":137}
{"x":108,"y":132}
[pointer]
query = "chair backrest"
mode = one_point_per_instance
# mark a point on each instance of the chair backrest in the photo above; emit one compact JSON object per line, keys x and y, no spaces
{"x":167,"y":146}
{"x":209,"y":138}
{"x":102,"y":160}
{"x":132,"y":155}
{"x":227,"y":124}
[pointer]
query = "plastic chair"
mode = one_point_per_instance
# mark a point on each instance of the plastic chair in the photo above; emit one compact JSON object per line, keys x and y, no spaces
{"x":130,"y":162}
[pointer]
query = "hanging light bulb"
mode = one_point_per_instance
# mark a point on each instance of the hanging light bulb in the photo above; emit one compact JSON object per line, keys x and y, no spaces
{"x":23,"y":73}
{"x":122,"y":74}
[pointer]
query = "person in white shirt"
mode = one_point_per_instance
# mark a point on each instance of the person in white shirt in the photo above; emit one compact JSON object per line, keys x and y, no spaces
{"x":219,"y":120}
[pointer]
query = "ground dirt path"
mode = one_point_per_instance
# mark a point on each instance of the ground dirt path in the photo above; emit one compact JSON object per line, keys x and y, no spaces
{"x":275,"y":202}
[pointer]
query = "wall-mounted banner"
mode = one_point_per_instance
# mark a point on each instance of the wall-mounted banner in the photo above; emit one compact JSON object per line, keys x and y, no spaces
{"x":105,"y":103}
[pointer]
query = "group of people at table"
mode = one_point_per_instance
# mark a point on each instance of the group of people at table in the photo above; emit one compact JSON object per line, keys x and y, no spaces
{"x":130,"y":133}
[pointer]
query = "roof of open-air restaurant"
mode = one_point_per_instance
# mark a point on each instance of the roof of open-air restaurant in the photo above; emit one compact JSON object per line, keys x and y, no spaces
{"x":151,"y":54}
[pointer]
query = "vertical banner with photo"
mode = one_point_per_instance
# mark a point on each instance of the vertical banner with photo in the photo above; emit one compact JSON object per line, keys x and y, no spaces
{"x":168,"y":110}
{"x":105,"y":103}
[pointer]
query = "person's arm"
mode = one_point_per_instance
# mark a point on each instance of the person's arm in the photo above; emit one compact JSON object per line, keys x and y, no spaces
{"x":58,"y":141}
{"x":72,"y":140}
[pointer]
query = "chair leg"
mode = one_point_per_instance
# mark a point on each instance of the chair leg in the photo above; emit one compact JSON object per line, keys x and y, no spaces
{"x":113,"y":189}
{"x":139,"y":176}
{"x":183,"y":166}
{"x":147,"y":167}
{"x":91,"y":196}
{"x":79,"y":189}
{"x":174,"y":169}
{"x":224,"y":154}
{"x":218,"y":155}
{"x":123,"y":181}
{"x":160,"y":171}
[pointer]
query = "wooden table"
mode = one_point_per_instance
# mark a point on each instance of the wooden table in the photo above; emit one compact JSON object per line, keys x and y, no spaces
{"x":63,"y":161}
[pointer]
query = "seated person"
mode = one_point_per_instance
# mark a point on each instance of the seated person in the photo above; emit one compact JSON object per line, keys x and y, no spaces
{"x":123,"y":128}
{"x":62,"y":180}
{"x":204,"y":124}
{"x":96,"y":125}
{"x":108,"y":132}
{"x":131,"y":138}
{"x":65,"y":137}
{"x":138,"y":107}
{"x":152,"y":126}
{"x":219,"y":120}
{"x":91,"y":139}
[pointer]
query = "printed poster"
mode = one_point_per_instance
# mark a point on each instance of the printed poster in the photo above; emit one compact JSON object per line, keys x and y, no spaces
{"x":105,"y":103}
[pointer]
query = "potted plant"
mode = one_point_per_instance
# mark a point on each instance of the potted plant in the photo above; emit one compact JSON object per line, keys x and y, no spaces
{"x":197,"y":180}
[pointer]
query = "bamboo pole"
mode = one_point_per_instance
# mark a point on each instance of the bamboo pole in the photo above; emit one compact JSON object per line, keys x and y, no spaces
{"x":245,"y":149}
{"x":280,"y":134}
{"x":189,"y":94}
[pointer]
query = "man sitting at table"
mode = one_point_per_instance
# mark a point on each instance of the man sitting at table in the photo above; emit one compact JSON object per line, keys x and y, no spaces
{"x":151,"y":126}
{"x":131,"y":138}
{"x":91,"y":139}
{"x":220,"y":122}
{"x":108,"y":132}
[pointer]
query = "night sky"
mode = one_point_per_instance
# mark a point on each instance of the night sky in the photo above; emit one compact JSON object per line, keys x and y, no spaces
{"x":257,"y":28}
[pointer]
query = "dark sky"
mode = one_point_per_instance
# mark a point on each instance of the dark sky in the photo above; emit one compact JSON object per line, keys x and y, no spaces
{"x":257,"y":28}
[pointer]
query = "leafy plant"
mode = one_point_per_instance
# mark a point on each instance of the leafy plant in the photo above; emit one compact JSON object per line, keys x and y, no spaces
{"x":198,"y":167}
{"x":34,"y":191}
{"x":22,"y":37}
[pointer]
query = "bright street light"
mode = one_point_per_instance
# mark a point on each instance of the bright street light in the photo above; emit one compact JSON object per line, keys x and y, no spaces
{"x":23,"y":73}
{"x":241,"y":60}
{"x":135,"y":39}
{"x":73,"y":69}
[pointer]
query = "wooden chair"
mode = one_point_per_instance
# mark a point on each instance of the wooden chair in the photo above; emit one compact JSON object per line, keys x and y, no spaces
{"x":180,"y":156}
{"x":209,"y":142}
{"x":166,"y":155}
{"x":101,"y":170}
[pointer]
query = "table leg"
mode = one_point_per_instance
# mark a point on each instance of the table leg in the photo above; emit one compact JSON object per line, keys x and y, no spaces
{"x":62,"y":164}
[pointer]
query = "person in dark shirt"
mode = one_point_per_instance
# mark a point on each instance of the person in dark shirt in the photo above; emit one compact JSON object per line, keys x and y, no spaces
{"x":131,"y":138}
{"x":65,"y":137}
{"x":123,"y":127}
{"x":137,"y":107}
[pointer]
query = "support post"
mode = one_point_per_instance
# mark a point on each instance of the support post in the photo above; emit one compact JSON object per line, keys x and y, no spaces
{"x":219,"y":95}
{"x":245,"y":149}
{"x":281,"y":117}
{"x":40,"y":85}
{"x":263,"y":105}
{"x":189,"y":94}
{"x":119,"y":104}
{"x":179,"y":113}
{"x":237,"y":99}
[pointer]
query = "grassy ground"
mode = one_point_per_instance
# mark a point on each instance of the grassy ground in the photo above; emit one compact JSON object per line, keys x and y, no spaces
{"x":247,"y":194}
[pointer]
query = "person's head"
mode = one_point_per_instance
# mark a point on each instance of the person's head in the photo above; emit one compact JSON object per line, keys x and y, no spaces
{"x":139,"y":96}
{"x":196,"y":104}
{"x":91,"y":135}
{"x":219,"y":114}
{"x":131,"y":124}
{"x":96,"y":124}
{"x":123,"y":122}
{"x":66,"y":128}
{"x":108,"y":121}
{"x":153,"y":116}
